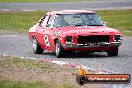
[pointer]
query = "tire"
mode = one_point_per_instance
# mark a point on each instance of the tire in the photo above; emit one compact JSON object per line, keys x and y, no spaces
{"x":80,"y":80}
{"x":36,"y":47}
{"x":70,"y":52}
{"x":113,"y":52}
{"x":59,"y":50}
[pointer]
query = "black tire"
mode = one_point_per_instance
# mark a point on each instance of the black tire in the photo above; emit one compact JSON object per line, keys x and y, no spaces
{"x":80,"y":80}
{"x":113,"y":52}
{"x":70,"y":52}
{"x":59,"y":50}
{"x":36,"y":47}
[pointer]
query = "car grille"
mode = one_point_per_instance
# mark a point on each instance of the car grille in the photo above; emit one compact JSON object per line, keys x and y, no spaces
{"x":93,"y":39}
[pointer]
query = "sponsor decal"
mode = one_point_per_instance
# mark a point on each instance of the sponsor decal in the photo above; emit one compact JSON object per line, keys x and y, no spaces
{"x":83,"y":78}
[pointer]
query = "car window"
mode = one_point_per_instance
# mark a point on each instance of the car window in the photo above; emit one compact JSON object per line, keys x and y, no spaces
{"x":77,"y":20}
{"x":60,"y":21}
{"x":50,"y":22}
{"x":73,"y":19}
{"x":44,"y":22}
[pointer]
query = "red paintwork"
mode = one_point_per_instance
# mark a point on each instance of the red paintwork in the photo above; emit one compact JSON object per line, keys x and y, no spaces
{"x":61,"y":32}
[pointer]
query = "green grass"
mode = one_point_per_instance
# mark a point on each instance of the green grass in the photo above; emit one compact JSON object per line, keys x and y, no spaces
{"x":5,"y":83}
{"x":30,"y":71}
{"x":22,"y":21}
{"x":19,"y":21}
{"x":41,"y":0}
{"x":119,"y":19}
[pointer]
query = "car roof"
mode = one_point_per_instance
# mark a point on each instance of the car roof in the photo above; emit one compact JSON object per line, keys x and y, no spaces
{"x":69,"y":12}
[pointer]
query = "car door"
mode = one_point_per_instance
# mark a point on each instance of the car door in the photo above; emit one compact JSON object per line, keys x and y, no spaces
{"x":48,"y":40}
{"x":41,"y":31}
{"x":44,"y":33}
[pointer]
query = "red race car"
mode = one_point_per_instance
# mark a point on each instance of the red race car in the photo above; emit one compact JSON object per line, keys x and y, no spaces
{"x":73,"y":30}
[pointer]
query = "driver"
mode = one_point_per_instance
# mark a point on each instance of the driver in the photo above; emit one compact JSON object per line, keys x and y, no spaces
{"x":59,"y":21}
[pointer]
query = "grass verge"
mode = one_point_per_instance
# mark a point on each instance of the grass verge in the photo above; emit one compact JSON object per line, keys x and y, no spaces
{"x":4,"y":83}
{"x":19,"y":21}
{"x":119,"y":19}
{"x":22,"y":21}
{"x":42,"y":0}
{"x":23,"y":73}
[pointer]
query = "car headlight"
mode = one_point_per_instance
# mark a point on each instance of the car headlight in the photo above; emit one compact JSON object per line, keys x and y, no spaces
{"x":117,"y":38}
{"x":68,"y":39}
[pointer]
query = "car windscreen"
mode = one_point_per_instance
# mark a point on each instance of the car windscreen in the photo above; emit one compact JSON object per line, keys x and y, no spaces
{"x":90,"y":19}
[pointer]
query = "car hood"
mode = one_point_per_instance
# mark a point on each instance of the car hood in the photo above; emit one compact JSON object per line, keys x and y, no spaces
{"x":88,"y":30}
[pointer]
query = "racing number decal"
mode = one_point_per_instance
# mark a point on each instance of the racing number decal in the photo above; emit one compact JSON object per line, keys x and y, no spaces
{"x":46,"y":40}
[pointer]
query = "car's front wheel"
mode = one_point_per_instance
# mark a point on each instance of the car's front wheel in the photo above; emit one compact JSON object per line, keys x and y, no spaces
{"x":36,"y":47}
{"x":113,"y":52}
{"x":59,"y":50}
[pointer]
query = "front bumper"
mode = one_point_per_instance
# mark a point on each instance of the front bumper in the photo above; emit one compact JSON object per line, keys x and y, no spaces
{"x":92,"y":45}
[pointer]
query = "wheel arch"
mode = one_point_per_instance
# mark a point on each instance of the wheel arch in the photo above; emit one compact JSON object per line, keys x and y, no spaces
{"x":33,"y":37}
{"x":55,"y":40}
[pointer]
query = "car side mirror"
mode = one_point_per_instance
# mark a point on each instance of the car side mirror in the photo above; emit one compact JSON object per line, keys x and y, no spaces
{"x":48,"y":25}
{"x":105,"y":22}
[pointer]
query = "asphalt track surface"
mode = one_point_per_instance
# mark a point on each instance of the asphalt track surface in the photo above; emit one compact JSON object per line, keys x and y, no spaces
{"x":88,"y":5}
{"x":19,"y":45}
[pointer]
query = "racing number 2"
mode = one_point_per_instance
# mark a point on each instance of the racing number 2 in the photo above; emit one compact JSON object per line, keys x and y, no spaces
{"x":46,"y":40}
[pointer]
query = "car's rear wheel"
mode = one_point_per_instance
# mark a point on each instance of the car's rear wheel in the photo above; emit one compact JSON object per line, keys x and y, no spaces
{"x":113,"y":52}
{"x":59,"y":50}
{"x":36,"y":47}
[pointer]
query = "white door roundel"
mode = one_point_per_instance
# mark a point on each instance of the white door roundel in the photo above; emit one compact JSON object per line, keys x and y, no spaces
{"x":46,"y":40}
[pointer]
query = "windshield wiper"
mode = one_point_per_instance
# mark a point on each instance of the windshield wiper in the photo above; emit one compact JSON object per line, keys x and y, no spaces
{"x":94,"y":25}
{"x":78,"y":25}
